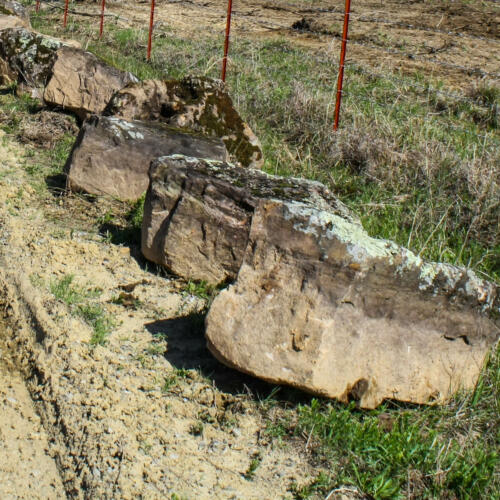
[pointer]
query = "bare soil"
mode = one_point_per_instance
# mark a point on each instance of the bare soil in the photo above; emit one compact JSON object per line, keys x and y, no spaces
{"x":120,"y":420}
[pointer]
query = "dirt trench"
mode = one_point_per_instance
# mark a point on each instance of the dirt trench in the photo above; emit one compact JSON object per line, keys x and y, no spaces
{"x":26,"y":468}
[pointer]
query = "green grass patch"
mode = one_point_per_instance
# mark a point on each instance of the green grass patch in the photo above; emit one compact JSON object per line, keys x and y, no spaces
{"x":81,"y":302}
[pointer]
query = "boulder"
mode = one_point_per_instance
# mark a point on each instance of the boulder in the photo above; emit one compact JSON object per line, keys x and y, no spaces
{"x":201,"y":104}
{"x":321,"y":306}
{"x":26,"y":56}
{"x":111,"y":156}
{"x":197,"y":214}
{"x":82,"y":83}
{"x":13,"y":15}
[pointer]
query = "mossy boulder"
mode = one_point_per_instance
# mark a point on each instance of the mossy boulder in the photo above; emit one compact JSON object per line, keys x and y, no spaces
{"x":28,"y":55}
{"x":201,"y":104}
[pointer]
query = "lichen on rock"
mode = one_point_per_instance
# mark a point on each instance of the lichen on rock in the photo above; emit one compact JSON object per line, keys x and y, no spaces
{"x":29,"y":55}
{"x":201,"y":104}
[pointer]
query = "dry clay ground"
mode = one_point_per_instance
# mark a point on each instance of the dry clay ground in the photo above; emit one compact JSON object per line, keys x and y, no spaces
{"x":120,"y":420}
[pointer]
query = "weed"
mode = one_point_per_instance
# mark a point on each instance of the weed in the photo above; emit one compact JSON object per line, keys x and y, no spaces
{"x":320,"y":484}
{"x":252,"y":468}
{"x":64,"y":290}
{"x":196,"y":429}
{"x":145,"y":447}
{"x":173,"y":380}
{"x":156,"y":349}
{"x":127,"y":300}
{"x":95,"y":316}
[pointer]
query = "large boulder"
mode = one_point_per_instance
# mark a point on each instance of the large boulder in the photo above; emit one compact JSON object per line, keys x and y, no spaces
{"x":320,"y":305}
{"x":27,"y":57}
{"x":197,"y":214}
{"x":111,"y":156}
{"x":82,"y":83}
{"x":13,"y":15}
{"x":201,"y":104}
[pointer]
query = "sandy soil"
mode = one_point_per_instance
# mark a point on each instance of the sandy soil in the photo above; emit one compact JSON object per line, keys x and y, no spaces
{"x":114,"y":427}
{"x":26,"y":468}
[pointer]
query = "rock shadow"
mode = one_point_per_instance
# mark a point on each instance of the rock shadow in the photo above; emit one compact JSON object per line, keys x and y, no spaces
{"x":187,"y":349}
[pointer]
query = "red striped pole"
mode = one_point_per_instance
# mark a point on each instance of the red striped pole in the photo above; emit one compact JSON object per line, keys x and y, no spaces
{"x":342,"y":63}
{"x":101,"y":27}
{"x":151,"y":22}
{"x":37,"y":8}
{"x":226,"y":41}
{"x":65,"y":21}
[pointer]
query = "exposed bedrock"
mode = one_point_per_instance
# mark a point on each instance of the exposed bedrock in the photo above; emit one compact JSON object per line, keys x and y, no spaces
{"x":321,"y":306}
{"x":197,"y":213}
{"x":200,"y":104}
{"x":111,"y":156}
{"x":82,"y":83}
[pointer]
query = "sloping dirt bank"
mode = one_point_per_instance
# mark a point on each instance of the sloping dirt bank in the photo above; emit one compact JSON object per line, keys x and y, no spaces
{"x":123,"y":420}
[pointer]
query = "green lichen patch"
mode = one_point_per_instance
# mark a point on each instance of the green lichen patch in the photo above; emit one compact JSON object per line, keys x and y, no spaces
{"x":29,"y":54}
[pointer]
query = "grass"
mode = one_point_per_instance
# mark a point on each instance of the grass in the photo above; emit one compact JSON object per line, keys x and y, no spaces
{"x":44,"y":158}
{"x":80,"y":301}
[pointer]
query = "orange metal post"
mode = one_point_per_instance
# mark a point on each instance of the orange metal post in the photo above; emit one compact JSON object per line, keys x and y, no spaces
{"x":101,"y":27}
{"x":226,"y":42}
{"x":342,"y":62}
{"x":151,"y":23}
{"x":65,"y":20}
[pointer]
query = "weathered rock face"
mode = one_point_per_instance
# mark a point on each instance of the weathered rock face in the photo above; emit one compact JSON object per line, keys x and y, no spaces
{"x":27,"y":55}
{"x":13,"y":15}
{"x":82,"y":83}
{"x":200,"y":104}
{"x":197,"y":214}
{"x":321,"y":306}
{"x":7,"y":76}
{"x":111,"y":156}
